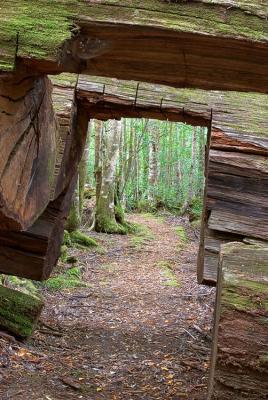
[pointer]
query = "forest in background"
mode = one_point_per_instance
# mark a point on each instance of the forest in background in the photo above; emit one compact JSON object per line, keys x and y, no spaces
{"x":140,"y":165}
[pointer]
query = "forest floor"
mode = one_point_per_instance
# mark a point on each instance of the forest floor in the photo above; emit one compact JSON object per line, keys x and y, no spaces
{"x":140,"y":329}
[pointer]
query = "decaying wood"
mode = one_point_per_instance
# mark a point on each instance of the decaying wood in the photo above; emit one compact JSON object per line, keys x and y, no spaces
{"x":239,"y":368}
{"x":27,"y":141}
{"x":19,"y":312}
{"x":34,"y":253}
{"x":210,"y":45}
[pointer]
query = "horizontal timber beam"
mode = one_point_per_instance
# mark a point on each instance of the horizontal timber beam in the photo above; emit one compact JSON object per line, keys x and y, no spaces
{"x":202,"y":44}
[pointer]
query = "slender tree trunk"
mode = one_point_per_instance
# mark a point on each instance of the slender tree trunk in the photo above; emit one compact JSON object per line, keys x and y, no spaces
{"x":153,"y":162}
{"x":83,"y":170}
{"x":105,"y":204}
{"x":192,"y":171}
{"x":98,"y":157}
{"x":74,"y":219}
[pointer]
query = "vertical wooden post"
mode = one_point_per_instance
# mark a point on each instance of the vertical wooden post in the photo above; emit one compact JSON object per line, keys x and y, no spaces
{"x":239,"y":367}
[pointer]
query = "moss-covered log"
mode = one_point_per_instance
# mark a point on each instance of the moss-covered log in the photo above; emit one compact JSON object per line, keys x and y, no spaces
{"x":19,"y":312}
{"x":239,"y":368}
{"x":208,"y":44}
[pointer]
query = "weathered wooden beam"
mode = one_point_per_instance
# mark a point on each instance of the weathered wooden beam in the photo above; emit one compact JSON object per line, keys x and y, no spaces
{"x":239,"y":367}
{"x":34,"y":253}
{"x":19,"y":312}
{"x":210,"y":45}
{"x":106,"y":98}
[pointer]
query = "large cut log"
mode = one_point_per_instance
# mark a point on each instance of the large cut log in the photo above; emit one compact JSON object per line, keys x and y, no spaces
{"x":239,"y":367}
{"x":19,"y":312}
{"x":33,"y":253}
{"x":27,"y":141}
{"x":210,"y":45}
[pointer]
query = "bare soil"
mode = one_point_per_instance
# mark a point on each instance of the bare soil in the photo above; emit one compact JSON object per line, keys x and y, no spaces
{"x":140,"y":330}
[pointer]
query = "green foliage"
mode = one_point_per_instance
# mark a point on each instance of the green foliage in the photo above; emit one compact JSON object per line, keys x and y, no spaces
{"x":71,"y":278}
{"x":180,"y":167}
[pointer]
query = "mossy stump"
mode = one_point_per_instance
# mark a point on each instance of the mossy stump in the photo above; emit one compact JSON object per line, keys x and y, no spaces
{"x":19,"y":312}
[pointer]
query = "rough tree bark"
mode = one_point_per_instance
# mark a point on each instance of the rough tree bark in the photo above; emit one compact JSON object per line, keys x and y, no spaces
{"x":153,"y":161}
{"x":105,"y":219}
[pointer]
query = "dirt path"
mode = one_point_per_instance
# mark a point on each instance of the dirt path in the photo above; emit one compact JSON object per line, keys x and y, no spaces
{"x":140,"y":330}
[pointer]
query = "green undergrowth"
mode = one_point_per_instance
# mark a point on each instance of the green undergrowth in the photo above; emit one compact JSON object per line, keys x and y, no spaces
{"x":71,"y":278}
{"x":142,"y":235}
{"x":169,"y":276}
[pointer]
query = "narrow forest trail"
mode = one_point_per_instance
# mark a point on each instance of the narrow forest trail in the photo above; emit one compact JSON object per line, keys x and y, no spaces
{"x":140,"y":330}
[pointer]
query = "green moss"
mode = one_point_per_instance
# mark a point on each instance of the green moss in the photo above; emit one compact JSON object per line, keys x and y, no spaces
{"x":180,"y":230}
{"x":259,"y":287}
{"x":141,"y":236}
{"x":80,"y":238}
{"x":71,"y":278}
{"x":67,"y":239}
{"x":44,"y":25}
{"x":240,"y":298}
{"x":19,"y":311}
{"x":26,"y":286}
{"x":108,"y":225}
{"x":170,"y":278}
{"x":63,"y":253}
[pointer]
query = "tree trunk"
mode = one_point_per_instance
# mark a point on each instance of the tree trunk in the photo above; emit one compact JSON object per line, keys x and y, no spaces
{"x":74,"y":219}
{"x":153,"y":161}
{"x":19,"y":312}
{"x":105,"y":207}
{"x":83,"y":170}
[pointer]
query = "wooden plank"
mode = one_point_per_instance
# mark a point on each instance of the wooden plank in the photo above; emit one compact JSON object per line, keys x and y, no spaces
{"x":238,"y":163}
{"x":244,"y":223}
{"x":237,"y":142}
{"x":239,"y":367}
